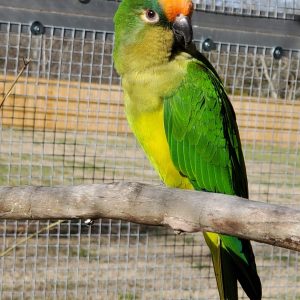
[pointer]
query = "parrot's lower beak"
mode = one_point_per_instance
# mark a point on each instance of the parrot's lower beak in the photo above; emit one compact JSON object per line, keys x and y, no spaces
{"x":183,"y":32}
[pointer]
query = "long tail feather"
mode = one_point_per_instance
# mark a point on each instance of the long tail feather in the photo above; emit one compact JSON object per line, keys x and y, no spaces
{"x":233,"y":261}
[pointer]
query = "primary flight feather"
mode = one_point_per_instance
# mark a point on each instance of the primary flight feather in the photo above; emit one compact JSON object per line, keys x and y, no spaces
{"x":178,"y":109}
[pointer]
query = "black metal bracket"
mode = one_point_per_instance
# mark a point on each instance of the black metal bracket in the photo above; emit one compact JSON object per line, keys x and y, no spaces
{"x":37,"y":28}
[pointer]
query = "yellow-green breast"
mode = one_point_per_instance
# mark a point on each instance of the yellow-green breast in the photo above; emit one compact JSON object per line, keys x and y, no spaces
{"x":144,"y":110}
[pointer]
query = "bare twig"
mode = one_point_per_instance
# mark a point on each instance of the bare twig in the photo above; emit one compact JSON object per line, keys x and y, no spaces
{"x":186,"y":211}
{"x":265,"y":70}
{"x":25,"y":64}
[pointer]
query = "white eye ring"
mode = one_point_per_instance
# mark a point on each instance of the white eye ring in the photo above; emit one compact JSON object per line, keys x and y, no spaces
{"x":150,"y":16}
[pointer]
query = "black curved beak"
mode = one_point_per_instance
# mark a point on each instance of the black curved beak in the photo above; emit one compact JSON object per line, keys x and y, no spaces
{"x":183,"y":32}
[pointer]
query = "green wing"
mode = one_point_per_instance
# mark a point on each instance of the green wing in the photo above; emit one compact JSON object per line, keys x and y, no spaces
{"x":205,"y":146}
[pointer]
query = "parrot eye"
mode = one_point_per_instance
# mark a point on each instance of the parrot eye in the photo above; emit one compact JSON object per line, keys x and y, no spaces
{"x":151,"y":16}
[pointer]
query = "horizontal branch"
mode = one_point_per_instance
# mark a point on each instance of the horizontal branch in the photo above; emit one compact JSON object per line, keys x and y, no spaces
{"x":187,"y":211}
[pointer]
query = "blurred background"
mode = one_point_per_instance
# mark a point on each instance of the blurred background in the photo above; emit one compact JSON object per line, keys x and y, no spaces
{"x":63,"y":123}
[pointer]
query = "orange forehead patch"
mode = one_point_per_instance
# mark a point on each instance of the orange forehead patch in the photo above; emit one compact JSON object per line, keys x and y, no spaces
{"x":173,"y":8}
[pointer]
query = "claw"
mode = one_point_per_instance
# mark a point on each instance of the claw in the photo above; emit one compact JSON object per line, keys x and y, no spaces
{"x":88,"y":222}
{"x":178,"y":232}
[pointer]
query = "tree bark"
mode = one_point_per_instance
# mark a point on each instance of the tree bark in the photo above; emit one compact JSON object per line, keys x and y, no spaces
{"x":182,"y":210}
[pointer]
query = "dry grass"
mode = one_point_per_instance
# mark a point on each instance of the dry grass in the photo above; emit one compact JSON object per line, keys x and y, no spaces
{"x":114,"y":260}
{"x":154,"y":265}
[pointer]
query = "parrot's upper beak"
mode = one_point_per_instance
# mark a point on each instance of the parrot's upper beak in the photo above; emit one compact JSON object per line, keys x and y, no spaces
{"x":182,"y":29}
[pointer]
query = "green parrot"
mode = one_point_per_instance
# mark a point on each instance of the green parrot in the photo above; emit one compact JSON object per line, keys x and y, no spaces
{"x":178,"y":109}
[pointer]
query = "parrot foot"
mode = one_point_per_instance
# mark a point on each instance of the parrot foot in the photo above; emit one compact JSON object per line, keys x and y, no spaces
{"x":178,"y":232}
{"x":88,"y":222}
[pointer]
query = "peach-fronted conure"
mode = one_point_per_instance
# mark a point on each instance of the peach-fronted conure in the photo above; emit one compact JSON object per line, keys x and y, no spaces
{"x":178,"y":109}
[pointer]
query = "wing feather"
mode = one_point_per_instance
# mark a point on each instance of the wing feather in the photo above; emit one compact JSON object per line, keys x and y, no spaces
{"x":205,"y":146}
{"x":200,"y":128}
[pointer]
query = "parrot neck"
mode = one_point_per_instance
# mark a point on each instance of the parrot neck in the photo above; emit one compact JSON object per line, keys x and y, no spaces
{"x":145,"y":91}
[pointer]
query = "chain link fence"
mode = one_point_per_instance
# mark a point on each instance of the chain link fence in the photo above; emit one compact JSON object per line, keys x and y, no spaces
{"x":64,"y":124}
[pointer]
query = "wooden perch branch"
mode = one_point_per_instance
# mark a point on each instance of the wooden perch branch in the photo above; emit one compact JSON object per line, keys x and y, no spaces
{"x":187,"y":211}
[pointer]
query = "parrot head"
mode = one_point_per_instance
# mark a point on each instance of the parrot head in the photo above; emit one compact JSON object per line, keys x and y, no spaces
{"x":147,"y":32}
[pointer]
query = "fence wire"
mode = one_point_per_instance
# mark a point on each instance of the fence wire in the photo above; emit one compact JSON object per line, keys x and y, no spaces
{"x":281,"y":9}
{"x":64,"y":124}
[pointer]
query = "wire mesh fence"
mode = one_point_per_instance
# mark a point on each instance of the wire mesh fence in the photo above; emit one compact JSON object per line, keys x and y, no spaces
{"x":281,"y":9}
{"x":64,"y":123}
